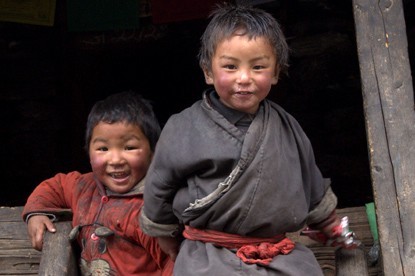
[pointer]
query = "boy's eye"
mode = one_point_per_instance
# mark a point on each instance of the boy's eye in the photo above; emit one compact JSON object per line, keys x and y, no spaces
{"x":258,"y":67}
{"x":229,"y":66}
{"x":130,"y":148}
{"x":102,"y":149}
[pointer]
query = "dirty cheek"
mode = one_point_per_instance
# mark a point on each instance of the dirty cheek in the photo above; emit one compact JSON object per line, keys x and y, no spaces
{"x":223,"y":82}
{"x":97,"y":162}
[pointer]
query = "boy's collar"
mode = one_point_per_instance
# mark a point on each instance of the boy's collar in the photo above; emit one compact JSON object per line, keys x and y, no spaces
{"x":136,"y":190}
{"x":230,"y":114}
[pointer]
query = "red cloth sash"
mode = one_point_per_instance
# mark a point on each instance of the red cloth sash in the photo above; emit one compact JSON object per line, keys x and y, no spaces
{"x":251,"y":250}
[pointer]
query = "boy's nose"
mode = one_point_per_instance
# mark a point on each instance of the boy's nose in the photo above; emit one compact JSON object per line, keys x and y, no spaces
{"x":116,"y":158}
{"x":244,"y":76}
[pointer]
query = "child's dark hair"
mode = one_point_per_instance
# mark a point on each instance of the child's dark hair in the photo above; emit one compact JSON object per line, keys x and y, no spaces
{"x":228,"y":20}
{"x":128,"y":107}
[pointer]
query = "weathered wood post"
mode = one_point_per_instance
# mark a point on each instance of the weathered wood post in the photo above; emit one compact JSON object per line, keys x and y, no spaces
{"x":390,"y":125}
{"x":58,"y":256}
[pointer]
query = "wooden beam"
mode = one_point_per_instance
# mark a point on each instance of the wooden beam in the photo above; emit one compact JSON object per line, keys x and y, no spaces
{"x":58,"y":255}
{"x":390,"y":125}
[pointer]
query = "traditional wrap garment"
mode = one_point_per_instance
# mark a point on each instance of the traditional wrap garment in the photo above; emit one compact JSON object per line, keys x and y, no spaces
{"x":208,"y":174}
{"x":127,"y":250}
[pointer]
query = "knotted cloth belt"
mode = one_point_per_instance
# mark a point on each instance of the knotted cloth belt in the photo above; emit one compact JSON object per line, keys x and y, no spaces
{"x":251,"y":250}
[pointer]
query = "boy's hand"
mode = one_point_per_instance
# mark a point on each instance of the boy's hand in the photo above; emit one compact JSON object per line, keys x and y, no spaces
{"x":170,"y":246}
{"x":336,"y":234}
{"x":36,"y":227}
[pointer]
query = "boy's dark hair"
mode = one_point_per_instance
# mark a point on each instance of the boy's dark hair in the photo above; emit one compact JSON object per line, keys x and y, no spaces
{"x":228,"y":19}
{"x":128,"y":107}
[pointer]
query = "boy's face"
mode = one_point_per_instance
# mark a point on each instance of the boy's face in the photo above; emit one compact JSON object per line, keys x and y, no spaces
{"x":120,"y":155}
{"x":243,"y":72}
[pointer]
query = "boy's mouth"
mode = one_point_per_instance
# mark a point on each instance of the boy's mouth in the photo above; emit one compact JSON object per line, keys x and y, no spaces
{"x":244,"y":93}
{"x":118,"y":175}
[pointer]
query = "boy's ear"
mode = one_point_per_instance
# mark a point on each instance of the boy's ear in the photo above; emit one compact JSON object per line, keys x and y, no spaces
{"x":208,"y":76}
{"x":274,"y":80}
{"x":276,"y":76}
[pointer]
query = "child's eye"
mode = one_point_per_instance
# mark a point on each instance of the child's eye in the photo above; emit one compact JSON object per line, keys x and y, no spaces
{"x":229,"y":66}
{"x":130,"y":148}
{"x":102,"y":149}
{"x":258,"y":67}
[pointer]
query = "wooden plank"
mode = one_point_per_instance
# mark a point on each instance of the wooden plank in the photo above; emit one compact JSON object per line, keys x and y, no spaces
{"x":351,"y":262}
{"x":58,"y":256}
{"x":17,"y":257}
{"x":11,"y":265}
{"x":11,"y":213}
{"x":14,"y":251}
{"x":13,"y":230}
{"x":390,"y":126}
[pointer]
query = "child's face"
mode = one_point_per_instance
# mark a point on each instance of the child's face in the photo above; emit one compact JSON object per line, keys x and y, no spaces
{"x":243,"y":72}
{"x":120,"y":155}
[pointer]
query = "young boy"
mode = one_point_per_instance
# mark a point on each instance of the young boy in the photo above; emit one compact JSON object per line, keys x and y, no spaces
{"x":235,"y":169}
{"x":121,"y":135}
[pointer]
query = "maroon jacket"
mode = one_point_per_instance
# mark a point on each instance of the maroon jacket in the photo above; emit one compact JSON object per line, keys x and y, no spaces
{"x":128,"y":251}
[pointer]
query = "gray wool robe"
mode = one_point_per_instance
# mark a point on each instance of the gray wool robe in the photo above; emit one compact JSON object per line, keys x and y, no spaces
{"x":209,"y":174}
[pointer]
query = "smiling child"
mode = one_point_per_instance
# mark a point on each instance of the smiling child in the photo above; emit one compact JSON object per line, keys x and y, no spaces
{"x":121,"y":135}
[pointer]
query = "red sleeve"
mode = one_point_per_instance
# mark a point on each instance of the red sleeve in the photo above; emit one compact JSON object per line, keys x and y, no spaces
{"x":151,"y":245}
{"x":52,"y":195}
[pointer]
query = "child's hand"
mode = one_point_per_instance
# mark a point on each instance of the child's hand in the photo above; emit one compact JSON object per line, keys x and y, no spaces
{"x":336,"y":234}
{"x":36,"y":227}
{"x":170,"y":246}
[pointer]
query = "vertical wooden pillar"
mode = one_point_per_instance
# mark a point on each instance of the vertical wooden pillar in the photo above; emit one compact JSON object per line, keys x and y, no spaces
{"x":390,"y":125}
{"x":58,"y":256}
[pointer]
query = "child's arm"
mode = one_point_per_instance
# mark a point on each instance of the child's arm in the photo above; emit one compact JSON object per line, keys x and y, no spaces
{"x":49,"y":201}
{"x":333,"y":232}
{"x":36,"y":227}
{"x":52,"y":195}
{"x":326,"y":227}
{"x":170,"y":246}
{"x":164,"y":260}
{"x":166,"y":235}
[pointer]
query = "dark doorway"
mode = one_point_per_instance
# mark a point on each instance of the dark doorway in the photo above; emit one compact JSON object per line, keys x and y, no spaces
{"x":50,"y":78}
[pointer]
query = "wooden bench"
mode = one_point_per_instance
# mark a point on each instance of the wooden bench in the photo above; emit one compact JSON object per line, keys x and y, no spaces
{"x":16,"y":254}
{"x":18,"y":258}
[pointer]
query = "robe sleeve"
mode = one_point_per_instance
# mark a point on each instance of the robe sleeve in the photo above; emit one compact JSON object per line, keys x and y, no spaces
{"x":154,"y":229}
{"x":166,"y":175}
{"x":324,"y":208}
